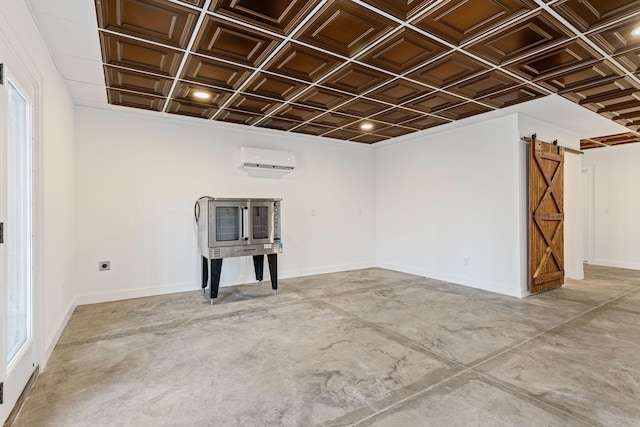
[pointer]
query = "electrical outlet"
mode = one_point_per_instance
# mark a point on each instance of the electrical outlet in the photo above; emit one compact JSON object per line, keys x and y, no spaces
{"x":104,"y":265}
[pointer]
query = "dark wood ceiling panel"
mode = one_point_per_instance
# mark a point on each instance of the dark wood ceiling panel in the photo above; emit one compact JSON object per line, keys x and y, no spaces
{"x":404,"y":51}
{"x":484,"y":84}
{"x":630,"y":60}
{"x":226,"y":40}
{"x":280,"y":16}
{"x":312,"y":129}
{"x":197,"y":3}
{"x":215,"y":73}
{"x":589,"y":14}
{"x":373,"y":126}
{"x":402,"y":9}
{"x":586,"y":75}
{"x":399,"y":91}
{"x":597,"y":94}
{"x":252,"y":104}
{"x":463,"y":111}
{"x":434,"y":102}
{"x":610,"y":140}
{"x":355,"y":78}
{"x":394,"y":131}
{"x":322,"y":98}
{"x":513,"y":96}
{"x":369,"y":138}
{"x":185,"y":92}
{"x":521,"y":38}
{"x":458,"y":21}
{"x":362,"y":107}
{"x":397,"y":115}
{"x":295,"y":60}
{"x":189,"y":109}
{"x":278,"y":123}
{"x":343,"y":134}
{"x":297,"y":113}
{"x":575,"y":53}
{"x":334,"y":120}
{"x":585,"y":145}
{"x":138,"y":55}
{"x":425,"y":122}
{"x":448,"y":70}
{"x":119,"y":78}
{"x":155,"y":20}
{"x":135,"y":100}
{"x":618,"y":38}
{"x":273,"y":86}
{"x":345,"y":27}
{"x":239,"y":117}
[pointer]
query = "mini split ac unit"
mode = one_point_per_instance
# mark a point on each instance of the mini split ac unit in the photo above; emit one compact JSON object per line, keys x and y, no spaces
{"x":266,"y":163}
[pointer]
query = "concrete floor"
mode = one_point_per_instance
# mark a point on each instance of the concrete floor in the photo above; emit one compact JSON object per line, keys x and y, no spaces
{"x":368,"y":347}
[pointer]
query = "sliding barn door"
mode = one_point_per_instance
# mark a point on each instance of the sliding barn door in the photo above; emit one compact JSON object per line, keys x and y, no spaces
{"x":546,"y":216}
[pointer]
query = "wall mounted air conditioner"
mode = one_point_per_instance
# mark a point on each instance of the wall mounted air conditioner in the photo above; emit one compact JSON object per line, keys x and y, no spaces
{"x":265,"y":162}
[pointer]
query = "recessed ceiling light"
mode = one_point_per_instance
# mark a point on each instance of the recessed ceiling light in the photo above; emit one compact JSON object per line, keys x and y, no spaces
{"x":636,"y":31}
{"x":366,"y":126}
{"x":201,"y":94}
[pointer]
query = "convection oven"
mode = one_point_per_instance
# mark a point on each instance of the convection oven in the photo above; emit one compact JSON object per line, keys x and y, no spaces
{"x":237,"y":227}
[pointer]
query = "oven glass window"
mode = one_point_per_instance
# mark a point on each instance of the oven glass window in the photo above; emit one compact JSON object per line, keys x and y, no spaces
{"x":227,"y":224}
{"x":260,"y":222}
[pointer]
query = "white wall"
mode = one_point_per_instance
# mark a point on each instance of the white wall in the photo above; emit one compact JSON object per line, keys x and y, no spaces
{"x":55,"y":136}
{"x":547,"y":132}
{"x":139,"y":176}
{"x":617,"y":205}
{"x":448,"y":206}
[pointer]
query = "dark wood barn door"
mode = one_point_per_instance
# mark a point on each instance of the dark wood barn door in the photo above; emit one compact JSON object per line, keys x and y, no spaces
{"x":546,"y":216}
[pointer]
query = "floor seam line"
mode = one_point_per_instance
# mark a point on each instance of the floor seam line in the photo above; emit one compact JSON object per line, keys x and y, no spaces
{"x":413,"y":396}
{"x":394,"y":335}
{"x":530,"y":396}
{"x":570,"y":319}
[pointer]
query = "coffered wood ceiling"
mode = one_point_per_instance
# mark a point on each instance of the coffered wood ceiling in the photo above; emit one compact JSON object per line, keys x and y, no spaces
{"x":608,"y":141}
{"x":325,"y":67}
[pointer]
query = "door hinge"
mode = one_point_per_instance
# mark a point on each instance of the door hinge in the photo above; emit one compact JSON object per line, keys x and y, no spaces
{"x":1,"y":393}
{"x":1,"y":74}
{"x":1,"y":232}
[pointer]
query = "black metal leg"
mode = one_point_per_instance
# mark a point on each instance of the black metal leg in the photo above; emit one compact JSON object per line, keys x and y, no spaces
{"x":258,"y":266}
{"x":273,"y":271}
{"x":205,"y":272}
{"x":216,"y":269}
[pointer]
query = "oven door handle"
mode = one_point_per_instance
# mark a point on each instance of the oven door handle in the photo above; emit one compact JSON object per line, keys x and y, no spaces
{"x":245,"y":223}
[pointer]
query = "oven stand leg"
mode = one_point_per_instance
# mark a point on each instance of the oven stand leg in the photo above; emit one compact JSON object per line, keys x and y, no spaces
{"x":216,"y":269}
{"x":273,"y":271}
{"x":258,"y":266}
{"x":205,"y":274}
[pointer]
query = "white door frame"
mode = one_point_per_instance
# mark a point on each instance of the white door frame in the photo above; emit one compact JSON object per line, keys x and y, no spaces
{"x":589,"y":197}
{"x":29,"y":73}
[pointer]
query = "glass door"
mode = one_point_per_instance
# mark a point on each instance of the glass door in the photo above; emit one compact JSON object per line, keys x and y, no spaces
{"x":17,"y":347}
{"x":261,"y":222}
{"x":227,"y":223}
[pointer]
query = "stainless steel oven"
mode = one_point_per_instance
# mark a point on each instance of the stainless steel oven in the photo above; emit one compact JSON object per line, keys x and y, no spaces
{"x":238,"y":227}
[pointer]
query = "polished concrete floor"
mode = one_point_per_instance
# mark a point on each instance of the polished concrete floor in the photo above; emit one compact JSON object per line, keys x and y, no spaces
{"x":368,"y":347}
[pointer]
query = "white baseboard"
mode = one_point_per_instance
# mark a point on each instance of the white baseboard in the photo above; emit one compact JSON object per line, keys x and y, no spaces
{"x":490,"y":287}
{"x":287,"y":274}
{"x":121,"y":294}
{"x":57,"y":332}
{"x":616,"y":263}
